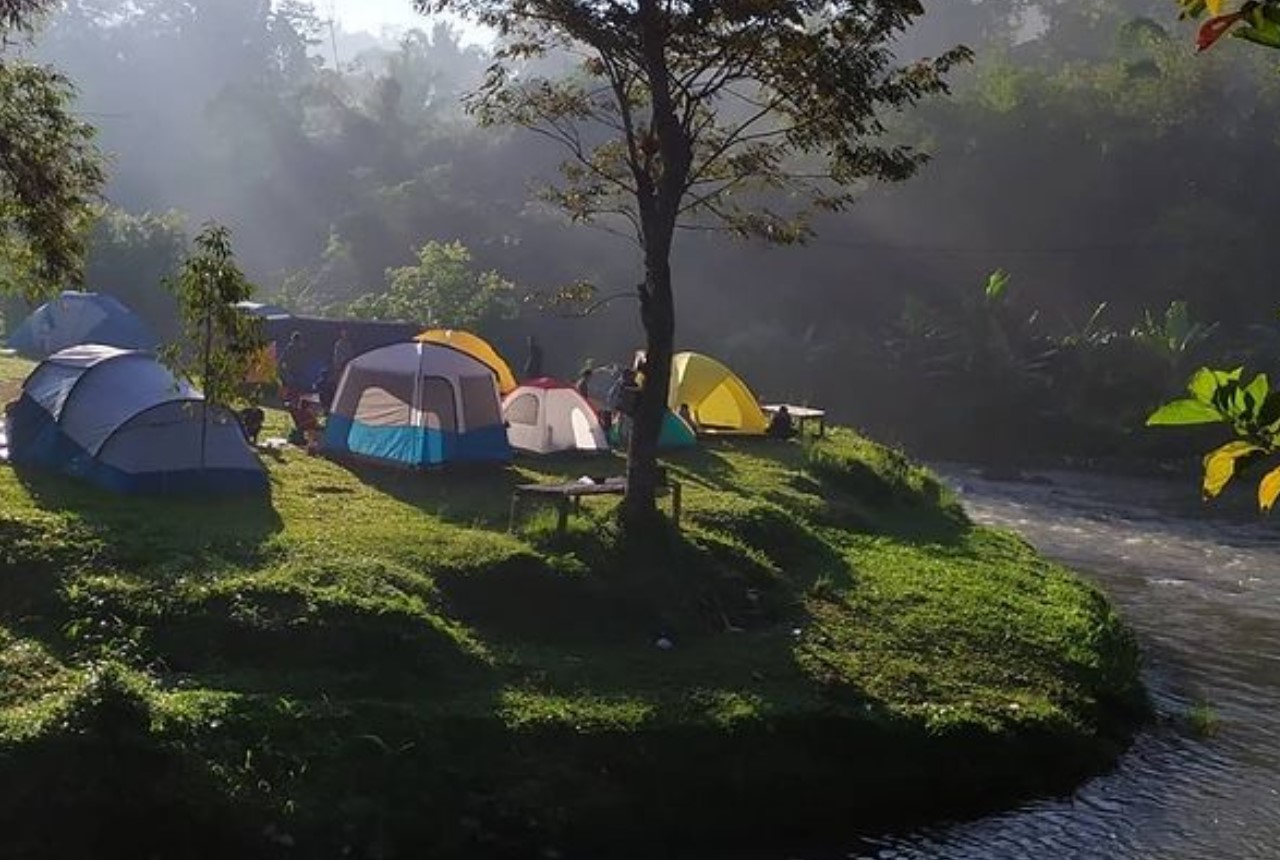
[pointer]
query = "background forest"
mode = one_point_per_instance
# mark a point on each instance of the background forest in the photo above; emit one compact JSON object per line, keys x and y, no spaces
{"x":1091,"y":227}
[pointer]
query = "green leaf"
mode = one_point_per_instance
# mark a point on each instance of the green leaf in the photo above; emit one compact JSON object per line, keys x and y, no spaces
{"x":1183,"y":412}
{"x":1268,"y":35}
{"x":1220,"y":465}
{"x":1256,"y":393}
{"x":1269,"y":489}
{"x":997,"y":285}
{"x":1202,"y":385}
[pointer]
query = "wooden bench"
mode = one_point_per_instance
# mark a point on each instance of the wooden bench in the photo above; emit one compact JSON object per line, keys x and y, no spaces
{"x":570,"y":495}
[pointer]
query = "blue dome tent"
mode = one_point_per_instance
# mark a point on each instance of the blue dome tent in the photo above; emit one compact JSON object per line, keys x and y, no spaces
{"x":75,"y":318}
{"x":122,"y":420}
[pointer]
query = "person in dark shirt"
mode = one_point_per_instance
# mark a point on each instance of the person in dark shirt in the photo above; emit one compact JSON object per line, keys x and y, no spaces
{"x":291,"y":367}
{"x":342,"y":353}
{"x":780,"y":425}
{"x":584,"y":384}
{"x":533,"y":361}
{"x":251,"y":423}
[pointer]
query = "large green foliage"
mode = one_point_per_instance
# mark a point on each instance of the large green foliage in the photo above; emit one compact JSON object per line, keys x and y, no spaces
{"x":1251,"y":409}
{"x":442,"y":291}
{"x":50,"y":171}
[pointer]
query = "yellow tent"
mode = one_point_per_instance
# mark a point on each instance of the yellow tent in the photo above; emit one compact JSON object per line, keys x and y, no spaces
{"x":476,"y":347}
{"x":718,"y":401}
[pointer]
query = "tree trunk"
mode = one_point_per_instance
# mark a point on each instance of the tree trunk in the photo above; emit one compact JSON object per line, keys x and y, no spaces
{"x":209,"y":391}
{"x":657,"y":312}
{"x":661,"y":184}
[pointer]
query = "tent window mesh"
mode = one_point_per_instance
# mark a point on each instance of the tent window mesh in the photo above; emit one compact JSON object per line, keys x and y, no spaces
{"x":359,"y":379}
{"x":523,"y":410}
{"x":480,"y":402}
{"x":438,"y":410}
{"x":380,"y":408}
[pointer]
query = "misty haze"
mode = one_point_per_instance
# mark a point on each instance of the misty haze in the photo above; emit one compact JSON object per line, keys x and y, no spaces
{"x":610,"y":428}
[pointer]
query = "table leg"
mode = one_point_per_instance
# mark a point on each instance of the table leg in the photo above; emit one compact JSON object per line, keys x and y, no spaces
{"x":562,"y":522}
{"x":511,"y":519}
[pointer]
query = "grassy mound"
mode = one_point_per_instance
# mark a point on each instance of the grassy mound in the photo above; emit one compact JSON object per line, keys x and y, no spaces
{"x":369,"y":664}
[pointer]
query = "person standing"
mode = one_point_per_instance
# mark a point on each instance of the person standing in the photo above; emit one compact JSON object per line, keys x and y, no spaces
{"x":292,"y":366}
{"x":342,"y":353}
{"x":533,"y":359}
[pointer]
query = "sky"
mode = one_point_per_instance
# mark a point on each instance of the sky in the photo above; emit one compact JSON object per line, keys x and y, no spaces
{"x":371,"y":15}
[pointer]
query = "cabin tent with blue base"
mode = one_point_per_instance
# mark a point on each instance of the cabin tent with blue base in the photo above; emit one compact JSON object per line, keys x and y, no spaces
{"x":75,"y":318}
{"x":415,"y":405}
{"x":120,"y":419}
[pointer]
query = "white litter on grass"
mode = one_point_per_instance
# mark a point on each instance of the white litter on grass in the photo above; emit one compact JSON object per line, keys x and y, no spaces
{"x":4,"y":445}
{"x":665,"y":644}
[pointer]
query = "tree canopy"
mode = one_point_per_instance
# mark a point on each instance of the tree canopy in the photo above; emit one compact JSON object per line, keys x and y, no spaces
{"x":707,"y":116}
{"x":441,"y":291}
{"x":50,"y":171}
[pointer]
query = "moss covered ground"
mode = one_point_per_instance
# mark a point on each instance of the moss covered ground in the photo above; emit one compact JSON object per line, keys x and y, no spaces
{"x":369,"y":664}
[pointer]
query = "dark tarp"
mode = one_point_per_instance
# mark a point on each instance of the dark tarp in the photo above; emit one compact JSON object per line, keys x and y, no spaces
{"x":320,"y":334}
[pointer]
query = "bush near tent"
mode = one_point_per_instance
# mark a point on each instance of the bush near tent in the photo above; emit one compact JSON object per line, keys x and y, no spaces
{"x":718,"y":400}
{"x":479,"y":349}
{"x":122,"y":420}
{"x":417,"y":404}
{"x":545,"y":416}
{"x":319,"y":335}
{"x":76,"y":318}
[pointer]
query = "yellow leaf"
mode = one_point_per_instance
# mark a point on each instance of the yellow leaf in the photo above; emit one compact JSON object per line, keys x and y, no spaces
{"x":1220,"y":465}
{"x":1269,"y":489}
{"x":1214,"y":6}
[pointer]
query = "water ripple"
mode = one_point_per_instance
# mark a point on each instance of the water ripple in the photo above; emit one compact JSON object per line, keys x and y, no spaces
{"x":1204,"y":598}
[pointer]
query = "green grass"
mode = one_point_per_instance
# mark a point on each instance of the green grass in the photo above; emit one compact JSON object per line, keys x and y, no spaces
{"x":12,"y":371}
{"x":370,"y":661}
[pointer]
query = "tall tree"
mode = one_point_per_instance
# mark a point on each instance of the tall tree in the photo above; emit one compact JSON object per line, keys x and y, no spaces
{"x":703,"y":114}
{"x":442,"y":291}
{"x":50,"y":171}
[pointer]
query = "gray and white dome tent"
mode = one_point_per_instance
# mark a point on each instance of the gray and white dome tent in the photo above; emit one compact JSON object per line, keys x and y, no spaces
{"x":122,"y":420}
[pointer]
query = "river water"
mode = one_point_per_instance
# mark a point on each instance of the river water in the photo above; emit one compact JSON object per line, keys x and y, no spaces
{"x":1203,"y":594}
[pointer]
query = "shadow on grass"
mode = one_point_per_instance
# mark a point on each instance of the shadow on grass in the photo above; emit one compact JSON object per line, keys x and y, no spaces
{"x":463,"y":494}
{"x":136,"y":531}
{"x":94,"y":531}
{"x":702,"y":465}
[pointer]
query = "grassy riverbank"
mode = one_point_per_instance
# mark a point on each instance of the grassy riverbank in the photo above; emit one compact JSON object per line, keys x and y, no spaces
{"x":370,"y":665}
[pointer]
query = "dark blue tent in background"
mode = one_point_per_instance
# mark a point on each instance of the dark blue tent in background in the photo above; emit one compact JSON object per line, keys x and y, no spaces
{"x":74,"y":318}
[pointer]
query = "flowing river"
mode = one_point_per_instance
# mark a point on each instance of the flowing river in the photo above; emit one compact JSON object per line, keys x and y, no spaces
{"x":1203,"y":594}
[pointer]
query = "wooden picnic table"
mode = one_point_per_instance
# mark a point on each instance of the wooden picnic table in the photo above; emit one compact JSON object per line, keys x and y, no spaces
{"x":572,"y":493}
{"x":802,"y":415}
